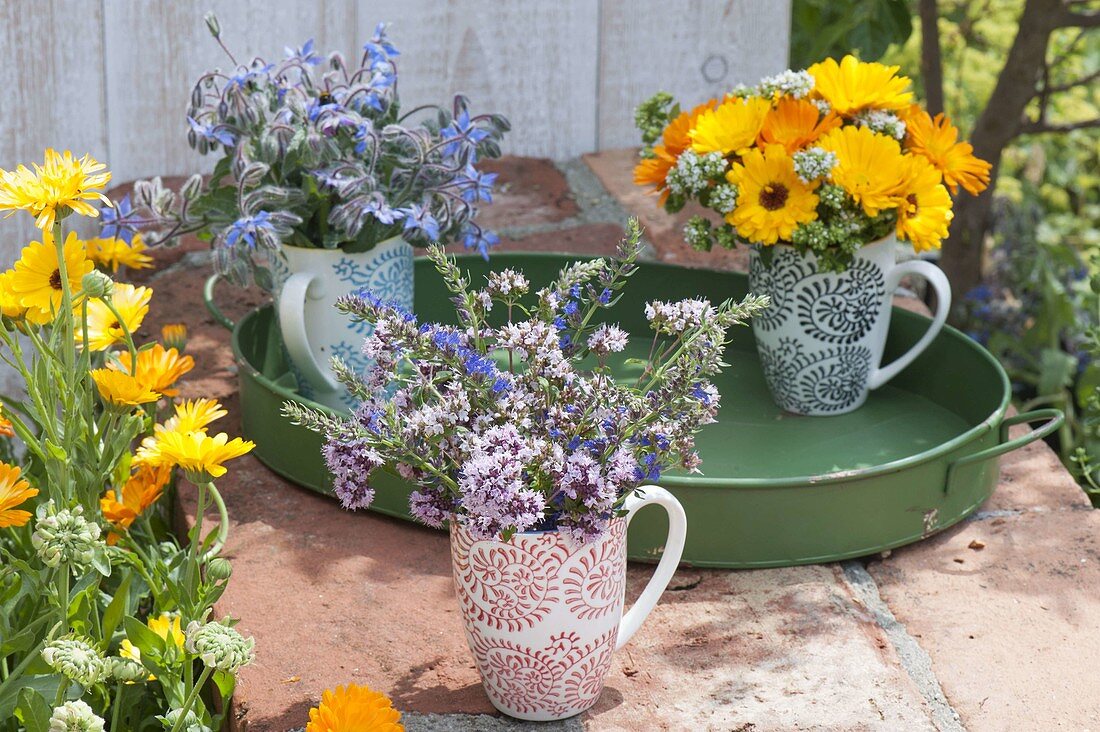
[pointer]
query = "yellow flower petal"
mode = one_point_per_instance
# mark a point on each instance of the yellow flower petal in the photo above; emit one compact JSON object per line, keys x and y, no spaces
{"x":104,"y":327}
{"x":354,"y":708}
{"x":853,"y":85}
{"x":772,"y":201}
{"x":61,"y":182}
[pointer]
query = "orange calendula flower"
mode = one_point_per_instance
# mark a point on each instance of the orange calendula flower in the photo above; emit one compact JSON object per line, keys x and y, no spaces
{"x":112,"y":253}
{"x":61,"y":183}
{"x":157,"y":368}
{"x":354,"y":708}
{"x":653,"y":171}
{"x":677,"y":136}
{"x":13,"y":492}
{"x":795,"y":123}
{"x":140,"y":492}
{"x":938,"y":141}
{"x":924,"y":206}
{"x":870,"y":167}
{"x":122,"y":390}
{"x":853,"y":85}
{"x":7,"y":429}
{"x":773,"y":200}
{"x":731,"y":127}
{"x":174,"y":335}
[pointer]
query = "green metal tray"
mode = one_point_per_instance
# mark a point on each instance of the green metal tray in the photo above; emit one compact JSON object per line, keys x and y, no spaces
{"x":777,"y":489}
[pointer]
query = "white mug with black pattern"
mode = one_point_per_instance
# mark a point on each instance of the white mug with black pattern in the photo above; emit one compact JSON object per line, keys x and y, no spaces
{"x":822,"y":338}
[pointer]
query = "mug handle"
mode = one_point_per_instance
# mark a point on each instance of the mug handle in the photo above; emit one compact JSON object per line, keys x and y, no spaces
{"x":935,"y":277}
{"x":674,"y":548}
{"x":292,"y":325}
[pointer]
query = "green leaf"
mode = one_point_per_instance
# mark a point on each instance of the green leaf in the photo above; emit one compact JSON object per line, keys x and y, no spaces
{"x":33,"y":711}
{"x":226,"y":683}
{"x":112,"y":616}
{"x":1056,"y":371}
{"x":142,"y":637}
{"x":46,"y":685}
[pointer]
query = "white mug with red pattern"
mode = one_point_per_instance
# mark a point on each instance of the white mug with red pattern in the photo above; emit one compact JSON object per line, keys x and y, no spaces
{"x":543,"y":615}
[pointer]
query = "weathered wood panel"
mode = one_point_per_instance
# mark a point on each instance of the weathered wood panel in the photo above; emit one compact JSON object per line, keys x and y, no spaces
{"x":156,"y":50}
{"x":53,"y":95}
{"x":693,"y":49}
{"x":534,"y":62}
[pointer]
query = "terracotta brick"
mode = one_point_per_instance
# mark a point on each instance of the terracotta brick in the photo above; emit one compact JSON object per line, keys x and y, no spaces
{"x":1010,"y":627}
{"x":528,"y":192}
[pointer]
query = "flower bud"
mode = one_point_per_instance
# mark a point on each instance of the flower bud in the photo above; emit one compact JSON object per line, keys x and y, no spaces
{"x":75,"y":716}
{"x":127,"y":669}
{"x":77,"y":660}
{"x":192,"y":188}
{"x":174,"y":335}
{"x":219,"y":569}
{"x":219,"y":646}
{"x":212,"y":24}
{"x":191,"y":722}
{"x":65,"y":537}
{"x":97,"y":284}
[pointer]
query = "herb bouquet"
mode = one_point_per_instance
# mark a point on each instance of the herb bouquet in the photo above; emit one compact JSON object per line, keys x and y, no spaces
{"x":821,"y":170}
{"x":521,"y":437}
{"x":323,"y":181}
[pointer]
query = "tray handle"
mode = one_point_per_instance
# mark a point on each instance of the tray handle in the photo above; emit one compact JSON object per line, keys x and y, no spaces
{"x":211,"y":306}
{"x":1054,"y":419}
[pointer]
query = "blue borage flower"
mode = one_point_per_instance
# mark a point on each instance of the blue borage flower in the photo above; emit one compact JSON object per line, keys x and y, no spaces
{"x":378,"y":174}
{"x":249,"y":229}
{"x":111,"y":217}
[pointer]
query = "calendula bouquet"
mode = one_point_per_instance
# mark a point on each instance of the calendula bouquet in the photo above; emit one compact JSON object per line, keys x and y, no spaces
{"x":317,"y":152}
{"x":521,"y":426}
{"x":104,"y":615}
{"x":827,"y":159}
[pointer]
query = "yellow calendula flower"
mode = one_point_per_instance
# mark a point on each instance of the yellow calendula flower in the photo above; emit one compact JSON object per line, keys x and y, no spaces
{"x":354,"y":708}
{"x":731,"y":128}
{"x":113,"y":252}
{"x":870,"y":166}
{"x":104,"y":327}
{"x":938,"y":141}
{"x":36,"y":280}
{"x":167,"y":627}
{"x":772,"y":201}
{"x":122,"y":390}
{"x":141,"y":491}
{"x":924,"y":206}
{"x":174,"y":335}
{"x":196,"y":453}
{"x":854,"y":85}
{"x":10,"y":305}
{"x":194,"y":415}
{"x":13,"y":492}
{"x":795,"y":123}
{"x":157,"y":367}
{"x":61,"y":183}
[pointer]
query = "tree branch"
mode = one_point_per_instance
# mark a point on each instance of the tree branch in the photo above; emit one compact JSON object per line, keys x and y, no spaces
{"x":1036,"y":127}
{"x":1070,"y":19}
{"x":1055,"y":88}
{"x":931,"y":57}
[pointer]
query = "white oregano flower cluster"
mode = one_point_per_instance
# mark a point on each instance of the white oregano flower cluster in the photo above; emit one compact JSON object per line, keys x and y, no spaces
{"x":813,"y":163}
{"x":219,"y":646}
{"x":76,"y":659}
{"x":879,"y":120}
{"x":693,"y":172}
{"x":65,"y":537}
{"x":75,"y":716}
{"x":723,"y":198}
{"x":794,"y":83}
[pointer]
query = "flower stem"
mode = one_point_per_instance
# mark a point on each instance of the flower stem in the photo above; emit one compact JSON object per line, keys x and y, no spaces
{"x":190,"y":700}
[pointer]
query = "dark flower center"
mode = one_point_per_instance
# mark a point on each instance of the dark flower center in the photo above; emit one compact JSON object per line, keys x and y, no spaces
{"x":55,"y":279}
{"x":912,"y":209}
{"x":325,"y":98}
{"x":773,"y":196}
{"x":114,"y":325}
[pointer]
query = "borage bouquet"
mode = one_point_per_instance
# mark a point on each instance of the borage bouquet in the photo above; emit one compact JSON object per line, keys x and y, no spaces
{"x":318,"y":153}
{"x":523,"y":426}
{"x":827,"y":159}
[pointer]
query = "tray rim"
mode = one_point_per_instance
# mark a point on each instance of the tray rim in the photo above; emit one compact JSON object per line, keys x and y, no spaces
{"x":702,"y":481}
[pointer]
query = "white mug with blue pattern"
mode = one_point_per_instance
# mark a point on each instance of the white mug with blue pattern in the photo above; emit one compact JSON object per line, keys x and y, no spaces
{"x":822,"y":338}
{"x":308,"y":282}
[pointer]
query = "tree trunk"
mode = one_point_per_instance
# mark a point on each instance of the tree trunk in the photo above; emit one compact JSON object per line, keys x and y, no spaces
{"x":931,"y":57}
{"x":999,"y":123}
